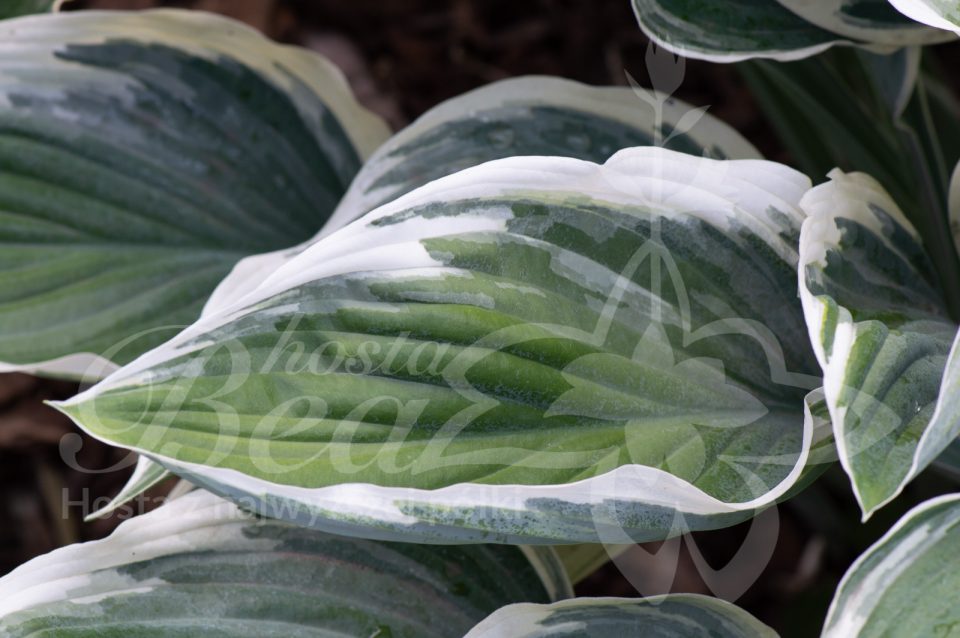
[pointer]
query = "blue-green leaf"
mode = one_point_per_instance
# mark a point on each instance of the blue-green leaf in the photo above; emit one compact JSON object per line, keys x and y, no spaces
{"x":141,"y":156}
{"x":907,"y":582}
{"x":533,"y":115}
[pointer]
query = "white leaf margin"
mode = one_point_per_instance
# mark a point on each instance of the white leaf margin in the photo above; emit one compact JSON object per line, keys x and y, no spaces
{"x":622,"y":104}
{"x":725,"y":57}
{"x":619,"y":103}
{"x":180,"y":526}
{"x":822,"y":14}
{"x":848,"y":195}
{"x":923,"y":11}
{"x":953,"y":205}
{"x":206,"y":36}
{"x":526,"y":619}
{"x":146,"y":474}
{"x":826,"y":14}
{"x":842,"y":621}
{"x":719,"y":191}
{"x":80,"y":366}
{"x":197,"y":521}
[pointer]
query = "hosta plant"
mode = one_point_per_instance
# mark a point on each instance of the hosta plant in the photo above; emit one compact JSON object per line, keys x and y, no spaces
{"x":400,"y":368}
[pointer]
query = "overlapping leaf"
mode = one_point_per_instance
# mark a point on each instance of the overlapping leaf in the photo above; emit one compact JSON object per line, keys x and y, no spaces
{"x":515,"y":117}
{"x":727,"y":30}
{"x":882,"y":334}
{"x":533,"y":115}
{"x":891,"y":117}
{"x":873,"y":21}
{"x":942,"y":14}
{"x":534,"y":349}
{"x":146,"y":474}
{"x":906,"y":582}
{"x":141,"y":156}
{"x":198,"y":566}
{"x":840,"y":109}
{"x":672,"y":616}
{"x":735,"y":30}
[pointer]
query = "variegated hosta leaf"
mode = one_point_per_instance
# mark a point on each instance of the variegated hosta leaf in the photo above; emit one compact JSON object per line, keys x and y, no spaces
{"x":670,"y":616}
{"x":942,"y":14}
{"x":520,"y":116}
{"x":882,"y":334}
{"x":734,"y":30}
{"x":199,"y":566}
{"x":907,"y":583}
{"x":873,"y":21}
{"x":731,"y":30}
{"x":535,"y":349}
{"x":141,"y":156}
{"x":533,"y":115}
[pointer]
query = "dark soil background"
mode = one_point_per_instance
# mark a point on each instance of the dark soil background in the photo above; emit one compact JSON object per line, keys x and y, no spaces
{"x":403,"y":57}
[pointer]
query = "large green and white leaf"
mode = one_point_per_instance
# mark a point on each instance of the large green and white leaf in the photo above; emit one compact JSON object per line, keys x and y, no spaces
{"x":534,"y":115}
{"x":882,"y":335}
{"x":874,"y":21}
{"x":198,"y":566}
{"x":537,"y":349}
{"x":907,"y":581}
{"x":942,"y":14}
{"x":141,"y":156}
{"x":669,"y":616}
{"x":731,"y":30}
